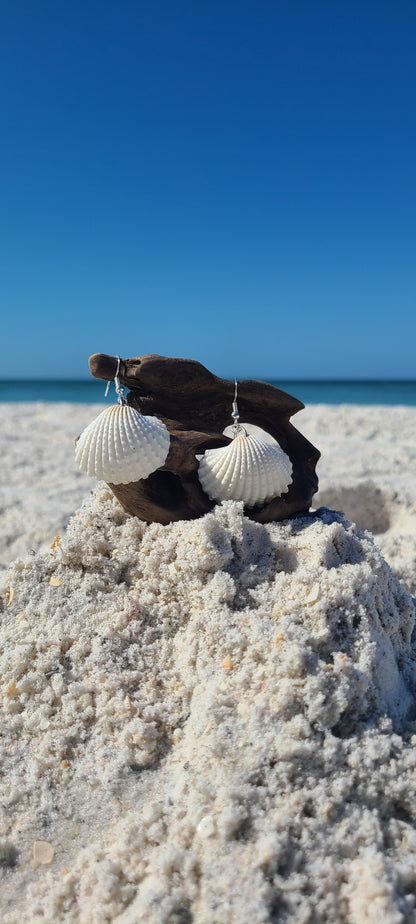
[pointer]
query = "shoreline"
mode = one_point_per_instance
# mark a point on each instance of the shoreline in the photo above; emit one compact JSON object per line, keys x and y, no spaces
{"x":310,"y":391}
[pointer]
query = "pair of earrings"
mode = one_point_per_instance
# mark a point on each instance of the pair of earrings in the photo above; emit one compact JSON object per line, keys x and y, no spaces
{"x":121,"y":445}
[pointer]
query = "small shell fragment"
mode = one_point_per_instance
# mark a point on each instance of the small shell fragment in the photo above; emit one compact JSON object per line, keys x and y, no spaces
{"x":11,"y":596}
{"x":55,"y":581}
{"x":121,"y":445}
{"x":228,"y":663}
{"x":313,"y":595}
{"x":248,"y":469}
{"x":43,"y":852}
{"x":207,"y":826}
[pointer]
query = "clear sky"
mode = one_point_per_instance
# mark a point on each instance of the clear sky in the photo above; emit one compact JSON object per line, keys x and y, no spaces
{"x":224,"y":180}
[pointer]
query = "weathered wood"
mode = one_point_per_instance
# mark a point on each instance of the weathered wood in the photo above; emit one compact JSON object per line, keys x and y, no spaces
{"x":196,"y":407}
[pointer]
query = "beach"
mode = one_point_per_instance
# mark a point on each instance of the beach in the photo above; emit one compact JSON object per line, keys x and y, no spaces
{"x":367,"y":467}
{"x":211,"y":721}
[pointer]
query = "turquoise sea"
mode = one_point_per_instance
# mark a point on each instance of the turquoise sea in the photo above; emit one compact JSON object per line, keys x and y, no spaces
{"x":310,"y":392}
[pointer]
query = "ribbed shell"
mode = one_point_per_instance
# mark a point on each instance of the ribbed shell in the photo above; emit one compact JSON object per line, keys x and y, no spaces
{"x":248,"y":469}
{"x":121,"y":445}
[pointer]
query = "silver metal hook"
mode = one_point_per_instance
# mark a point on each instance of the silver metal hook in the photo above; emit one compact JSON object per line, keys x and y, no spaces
{"x":234,"y":414}
{"x":119,"y":388}
{"x":237,"y":427}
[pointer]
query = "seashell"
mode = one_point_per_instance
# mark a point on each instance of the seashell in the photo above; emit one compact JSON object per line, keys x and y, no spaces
{"x":248,"y":469}
{"x":121,"y":445}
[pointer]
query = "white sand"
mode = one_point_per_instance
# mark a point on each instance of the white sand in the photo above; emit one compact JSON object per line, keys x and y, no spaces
{"x":210,"y":722}
{"x":40,"y":484}
{"x":367,"y":470}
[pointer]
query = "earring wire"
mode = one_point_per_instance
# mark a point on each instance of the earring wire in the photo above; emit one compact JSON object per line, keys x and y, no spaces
{"x":237,"y":427}
{"x":119,"y":388}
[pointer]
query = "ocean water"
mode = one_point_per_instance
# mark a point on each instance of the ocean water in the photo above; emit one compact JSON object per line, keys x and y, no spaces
{"x":310,"y":392}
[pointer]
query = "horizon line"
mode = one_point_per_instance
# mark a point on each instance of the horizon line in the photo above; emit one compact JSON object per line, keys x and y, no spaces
{"x":317,"y":381}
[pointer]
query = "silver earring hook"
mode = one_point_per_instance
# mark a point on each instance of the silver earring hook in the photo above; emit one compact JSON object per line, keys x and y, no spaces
{"x":119,"y":388}
{"x":234,"y":414}
{"x":237,"y":427}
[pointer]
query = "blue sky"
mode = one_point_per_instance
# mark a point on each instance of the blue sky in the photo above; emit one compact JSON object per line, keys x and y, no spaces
{"x":228,"y":181}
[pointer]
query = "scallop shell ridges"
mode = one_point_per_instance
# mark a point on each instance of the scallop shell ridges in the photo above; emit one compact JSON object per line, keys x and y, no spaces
{"x":121,"y":445}
{"x":248,"y":469}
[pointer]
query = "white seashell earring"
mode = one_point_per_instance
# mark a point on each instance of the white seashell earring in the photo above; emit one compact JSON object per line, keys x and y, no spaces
{"x":248,"y":469}
{"x":121,"y":445}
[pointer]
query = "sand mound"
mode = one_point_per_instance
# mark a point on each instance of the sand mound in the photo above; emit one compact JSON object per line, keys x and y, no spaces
{"x":208,"y":722}
{"x":366,"y":470}
{"x":387,"y":514}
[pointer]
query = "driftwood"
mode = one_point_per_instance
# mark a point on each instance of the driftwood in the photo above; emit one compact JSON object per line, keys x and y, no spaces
{"x":196,"y":407}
